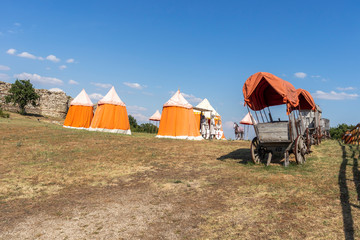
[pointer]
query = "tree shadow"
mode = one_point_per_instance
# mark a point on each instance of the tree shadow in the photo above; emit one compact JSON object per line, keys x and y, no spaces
{"x":344,"y":197}
{"x":242,"y":154}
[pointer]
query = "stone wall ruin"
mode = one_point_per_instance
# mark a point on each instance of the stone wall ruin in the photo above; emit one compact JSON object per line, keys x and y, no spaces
{"x":51,"y":104}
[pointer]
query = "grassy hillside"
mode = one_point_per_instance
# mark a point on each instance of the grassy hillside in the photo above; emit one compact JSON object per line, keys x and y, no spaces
{"x":63,"y":183}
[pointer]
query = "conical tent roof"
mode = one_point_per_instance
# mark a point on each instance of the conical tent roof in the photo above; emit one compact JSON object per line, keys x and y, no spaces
{"x":156,"y":116}
{"x":205,"y":104}
{"x":112,"y":98}
{"x":178,"y":100}
{"x":247,"y":120}
{"x":82,"y":99}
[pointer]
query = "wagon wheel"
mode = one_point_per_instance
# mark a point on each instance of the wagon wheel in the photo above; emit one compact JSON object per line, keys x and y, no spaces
{"x":308,"y":140}
{"x":319,"y":135}
{"x":258,"y":152}
{"x":300,"y":150}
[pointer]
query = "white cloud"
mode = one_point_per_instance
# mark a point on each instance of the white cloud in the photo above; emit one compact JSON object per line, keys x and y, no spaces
{"x":140,"y":117}
{"x":334,"y":95}
{"x":4,"y":77}
{"x":345,"y":89}
{"x":39,"y":79}
{"x":191,"y":98}
{"x":316,"y":76}
{"x":134,"y":85}
{"x":70,"y":60}
{"x":4,"y":68}
{"x":62,"y":67}
{"x":96,"y":96}
{"x":40,"y":58}
{"x":27,"y":55}
{"x":53,"y":58}
{"x":56,"y":90}
{"x":300,"y":75}
{"x":102,"y":85}
{"x":135,"y":108}
{"x":17,"y":24}
{"x":73,"y":82}
{"x":11,"y":51}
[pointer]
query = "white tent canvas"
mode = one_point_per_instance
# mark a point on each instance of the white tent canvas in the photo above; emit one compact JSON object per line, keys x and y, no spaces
{"x":205,"y":104}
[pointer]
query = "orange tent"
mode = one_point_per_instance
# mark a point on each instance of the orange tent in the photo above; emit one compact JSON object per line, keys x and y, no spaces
{"x":80,"y":112}
{"x":265,"y":89}
{"x":306,"y":102}
{"x":178,"y":119}
{"x":111,"y":115}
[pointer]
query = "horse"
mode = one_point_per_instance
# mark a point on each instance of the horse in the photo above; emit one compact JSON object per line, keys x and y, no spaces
{"x":239,"y":131}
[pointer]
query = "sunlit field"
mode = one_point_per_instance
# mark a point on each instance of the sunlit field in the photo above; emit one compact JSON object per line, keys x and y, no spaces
{"x":74,"y":184}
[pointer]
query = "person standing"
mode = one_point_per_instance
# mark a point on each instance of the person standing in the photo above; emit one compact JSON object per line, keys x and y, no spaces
{"x":203,"y":125}
{"x":212,"y":126}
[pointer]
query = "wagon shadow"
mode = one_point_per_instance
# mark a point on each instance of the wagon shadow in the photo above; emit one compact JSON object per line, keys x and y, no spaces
{"x":243,"y":155}
{"x":348,"y":222}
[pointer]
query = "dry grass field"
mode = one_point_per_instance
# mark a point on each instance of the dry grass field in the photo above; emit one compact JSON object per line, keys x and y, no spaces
{"x":58,"y":183}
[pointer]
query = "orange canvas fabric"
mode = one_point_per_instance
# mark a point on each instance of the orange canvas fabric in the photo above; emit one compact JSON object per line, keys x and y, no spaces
{"x":265,"y":89}
{"x":79,"y":116}
{"x":306,"y":101}
{"x":197,"y":119}
{"x":109,"y":116}
{"x":178,"y":122}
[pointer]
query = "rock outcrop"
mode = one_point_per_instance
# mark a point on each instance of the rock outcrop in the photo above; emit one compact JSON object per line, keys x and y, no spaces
{"x":51,"y":104}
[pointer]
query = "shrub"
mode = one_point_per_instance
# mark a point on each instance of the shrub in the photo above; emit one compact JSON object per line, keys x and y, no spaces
{"x":2,"y":114}
{"x":339,"y":131}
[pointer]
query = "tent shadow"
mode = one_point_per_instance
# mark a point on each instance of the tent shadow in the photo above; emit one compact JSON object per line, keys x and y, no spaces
{"x":243,"y":155}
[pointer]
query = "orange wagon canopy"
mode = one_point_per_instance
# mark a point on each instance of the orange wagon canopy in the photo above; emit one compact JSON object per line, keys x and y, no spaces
{"x":306,"y":102}
{"x":264,"y":89}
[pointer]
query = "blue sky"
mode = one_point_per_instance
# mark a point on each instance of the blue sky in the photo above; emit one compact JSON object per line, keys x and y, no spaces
{"x":149,"y":49}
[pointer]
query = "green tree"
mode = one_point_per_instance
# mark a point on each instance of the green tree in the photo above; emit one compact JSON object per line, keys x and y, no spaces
{"x":21,"y":94}
{"x":149,"y":128}
{"x":133,"y":123}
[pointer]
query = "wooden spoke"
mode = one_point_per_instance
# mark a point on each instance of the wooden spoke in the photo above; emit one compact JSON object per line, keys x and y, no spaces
{"x":300,"y":150}
{"x":258,"y":152}
{"x":254,"y":148}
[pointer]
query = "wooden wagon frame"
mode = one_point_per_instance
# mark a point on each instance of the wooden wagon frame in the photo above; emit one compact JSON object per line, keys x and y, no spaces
{"x":264,"y":90}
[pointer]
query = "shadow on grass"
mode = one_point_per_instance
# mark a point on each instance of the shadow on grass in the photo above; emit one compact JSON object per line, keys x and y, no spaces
{"x":344,"y":197}
{"x":242,"y":154}
{"x":33,"y":115}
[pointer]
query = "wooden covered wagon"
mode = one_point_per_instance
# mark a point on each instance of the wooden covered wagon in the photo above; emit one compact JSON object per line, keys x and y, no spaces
{"x":275,"y":137}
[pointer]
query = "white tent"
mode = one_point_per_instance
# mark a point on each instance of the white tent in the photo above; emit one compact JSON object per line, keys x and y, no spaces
{"x":156,"y":116}
{"x":205,"y":104}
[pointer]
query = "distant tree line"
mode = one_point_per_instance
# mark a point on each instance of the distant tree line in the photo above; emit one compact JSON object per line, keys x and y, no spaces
{"x":144,"y":127}
{"x":339,"y":131}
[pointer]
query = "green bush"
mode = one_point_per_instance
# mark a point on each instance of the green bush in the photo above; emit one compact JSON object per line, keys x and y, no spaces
{"x":2,"y":114}
{"x":339,"y":131}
